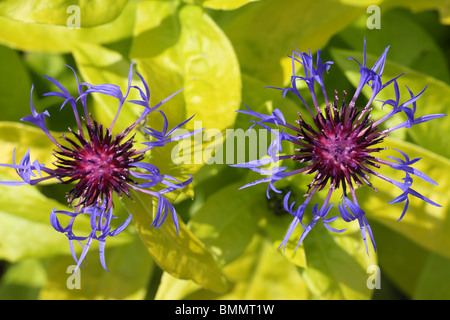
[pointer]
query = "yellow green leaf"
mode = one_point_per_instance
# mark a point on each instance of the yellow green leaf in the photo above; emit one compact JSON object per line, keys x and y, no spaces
{"x":263,"y":272}
{"x":91,"y":13}
{"x":21,"y":137}
{"x":182,"y":255}
{"x":260,"y":273}
{"x":25,"y":230}
{"x":130,"y":268}
{"x":190,"y":43}
{"x":272,"y":28}
{"x":226,"y":227}
{"x":184,"y":48}
{"x":221,"y":4}
{"x":57,"y":38}
{"x":338,"y":264}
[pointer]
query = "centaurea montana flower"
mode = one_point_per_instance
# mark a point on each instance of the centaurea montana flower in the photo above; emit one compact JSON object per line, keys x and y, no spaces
{"x":337,"y":149}
{"x":100,"y":164}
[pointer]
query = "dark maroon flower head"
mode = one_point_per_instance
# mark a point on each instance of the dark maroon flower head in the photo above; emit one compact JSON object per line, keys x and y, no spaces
{"x":99,"y":165}
{"x":340,"y":147}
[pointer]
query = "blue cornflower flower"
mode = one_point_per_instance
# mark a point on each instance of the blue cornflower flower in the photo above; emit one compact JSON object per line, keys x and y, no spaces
{"x":100,"y":219}
{"x":337,"y":149}
{"x":99,"y":164}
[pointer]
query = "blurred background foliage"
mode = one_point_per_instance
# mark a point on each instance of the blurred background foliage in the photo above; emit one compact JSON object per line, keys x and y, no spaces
{"x":224,"y":53}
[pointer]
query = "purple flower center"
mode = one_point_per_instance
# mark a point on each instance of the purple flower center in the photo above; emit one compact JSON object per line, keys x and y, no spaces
{"x":340,"y":146}
{"x":100,"y":166}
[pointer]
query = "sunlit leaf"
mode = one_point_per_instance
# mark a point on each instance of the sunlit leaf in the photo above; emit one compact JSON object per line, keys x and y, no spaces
{"x":210,"y":70}
{"x":260,"y":273}
{"x":92,"y":13}
{"x":272,"y":28}
{"x":171,"y":288}
{"x":276,"y":224}
{"x":24,"y":208}
{"x":59,"y":38}
{"x":25,"y":228}
{"x":183,"y":255}
{"x":227,"y":227}
{"x":186,"y":49}
{"x":221,"y":4}
{"x":338,"y":263}
{"x":193,"y":45}
{"x":19,"y":136}
{"x":130,"y":268}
